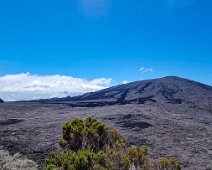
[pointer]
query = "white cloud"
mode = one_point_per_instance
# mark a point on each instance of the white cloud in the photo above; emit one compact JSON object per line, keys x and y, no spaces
{"x":125,"y":82}
{"x":26,"y":86}
{"x":146,"y":70}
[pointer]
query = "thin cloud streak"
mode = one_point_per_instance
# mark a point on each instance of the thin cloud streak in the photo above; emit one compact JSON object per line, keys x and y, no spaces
{"x":146,"y":70}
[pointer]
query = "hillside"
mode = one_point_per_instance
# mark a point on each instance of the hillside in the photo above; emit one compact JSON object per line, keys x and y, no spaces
{"x":1,"y":101}
{"x":172,"y":90}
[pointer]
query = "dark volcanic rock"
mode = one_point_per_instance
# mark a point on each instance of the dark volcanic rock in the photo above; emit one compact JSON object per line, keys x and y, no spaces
{"x":135,"y":122}
{"x":10,"y":121}
{"x":132,"y":124}
{"x":185,"y":133}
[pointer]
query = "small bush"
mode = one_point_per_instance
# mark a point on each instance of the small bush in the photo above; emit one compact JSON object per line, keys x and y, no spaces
{"x":89,"y":144}
{"x":88,"y":134}
{"x":169,"y":163}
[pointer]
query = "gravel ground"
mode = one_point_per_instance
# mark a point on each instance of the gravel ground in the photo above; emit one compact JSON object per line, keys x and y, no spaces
{"x":173,"y":130}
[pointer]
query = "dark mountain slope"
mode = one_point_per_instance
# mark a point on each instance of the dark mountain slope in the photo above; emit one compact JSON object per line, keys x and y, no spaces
{"x":171,"y":115}
{"x":173,"y":90}
{"x":1,"y":101}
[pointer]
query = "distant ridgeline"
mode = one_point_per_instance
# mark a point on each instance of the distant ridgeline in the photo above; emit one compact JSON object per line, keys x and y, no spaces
{"x":1,"y":101}
{"x":166,"y":91}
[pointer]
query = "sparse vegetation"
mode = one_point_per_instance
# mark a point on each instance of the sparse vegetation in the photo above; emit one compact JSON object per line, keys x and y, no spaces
{"x":169,"y":162}
{"x":15,"y":162}
{"x":89,"y":144}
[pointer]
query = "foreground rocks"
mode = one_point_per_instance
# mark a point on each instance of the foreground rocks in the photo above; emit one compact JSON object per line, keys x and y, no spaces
{"x":33,"y":129}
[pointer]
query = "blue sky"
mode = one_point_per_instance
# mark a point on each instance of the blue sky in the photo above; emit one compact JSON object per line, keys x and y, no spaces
{"x":92,"y":39}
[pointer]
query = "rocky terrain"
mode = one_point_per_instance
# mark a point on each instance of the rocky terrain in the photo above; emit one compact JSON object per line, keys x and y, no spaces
{"x":1,"y":101}
{"x":172,"y":116}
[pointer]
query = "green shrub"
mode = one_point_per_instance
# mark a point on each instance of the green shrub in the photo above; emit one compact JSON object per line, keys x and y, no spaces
{"x":169,"y":163}
{"x":88,"y":134}
{"x":139,"y":156}
{"x":80,"y":160}
{"x":89,"y":144}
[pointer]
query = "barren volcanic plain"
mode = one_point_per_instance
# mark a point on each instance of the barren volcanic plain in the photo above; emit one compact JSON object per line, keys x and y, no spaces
{"x":171,"y":115}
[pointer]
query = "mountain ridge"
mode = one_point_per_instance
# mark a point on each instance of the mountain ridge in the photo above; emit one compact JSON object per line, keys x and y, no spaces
{"x":1,"y":101}
{"x":169,"y":89}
